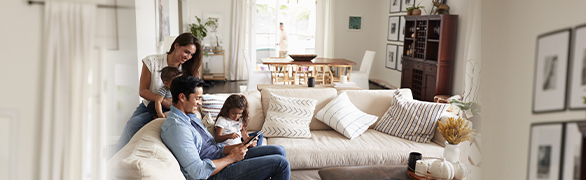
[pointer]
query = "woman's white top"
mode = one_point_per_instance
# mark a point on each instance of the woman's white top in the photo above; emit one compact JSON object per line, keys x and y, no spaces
{"x":155,"y":63}
{"x":230,"y":126}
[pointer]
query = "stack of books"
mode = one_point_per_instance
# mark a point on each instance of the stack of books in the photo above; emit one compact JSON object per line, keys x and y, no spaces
{"x":347,"y":84}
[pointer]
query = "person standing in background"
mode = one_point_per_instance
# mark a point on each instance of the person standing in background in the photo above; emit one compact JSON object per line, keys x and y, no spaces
{"x":283,"y":44}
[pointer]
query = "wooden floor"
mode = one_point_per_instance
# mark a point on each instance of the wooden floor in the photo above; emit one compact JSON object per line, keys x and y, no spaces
{"x":234,"y":87}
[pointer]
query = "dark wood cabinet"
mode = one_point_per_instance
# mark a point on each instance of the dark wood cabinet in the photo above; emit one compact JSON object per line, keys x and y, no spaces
{"x":428,"y":55}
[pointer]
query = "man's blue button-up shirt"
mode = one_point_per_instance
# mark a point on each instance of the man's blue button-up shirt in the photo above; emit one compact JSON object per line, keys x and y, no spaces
{"x":190,"y":142}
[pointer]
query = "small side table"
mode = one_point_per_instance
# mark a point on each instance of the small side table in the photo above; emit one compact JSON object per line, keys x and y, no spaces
{"x":382,"y":172}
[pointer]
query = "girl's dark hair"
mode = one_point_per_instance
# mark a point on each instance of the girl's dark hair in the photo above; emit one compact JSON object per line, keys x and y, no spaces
{"x":191,"y":66}
{"x":236,"y":101}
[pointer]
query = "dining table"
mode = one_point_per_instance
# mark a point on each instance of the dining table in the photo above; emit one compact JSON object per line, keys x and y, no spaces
{"x":277,"y":64}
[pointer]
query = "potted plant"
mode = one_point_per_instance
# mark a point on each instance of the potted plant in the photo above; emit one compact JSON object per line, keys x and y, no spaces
{"x":200,"y":31}
{"x":212,"y":23}
{"x":409,"y":11}
{"x":416,"y":10}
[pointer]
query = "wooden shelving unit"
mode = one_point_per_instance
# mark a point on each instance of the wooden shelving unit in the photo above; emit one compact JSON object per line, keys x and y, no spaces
{"x":428,"y":55}
{"x":217,"y":76}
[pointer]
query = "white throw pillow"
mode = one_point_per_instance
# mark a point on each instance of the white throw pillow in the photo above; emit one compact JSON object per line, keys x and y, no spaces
{"x":344,"y":117}
{"x":411,"y":119}
{"x":288,"y":117}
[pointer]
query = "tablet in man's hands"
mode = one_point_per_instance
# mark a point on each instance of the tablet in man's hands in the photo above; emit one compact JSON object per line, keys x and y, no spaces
{"x":254,"y":137}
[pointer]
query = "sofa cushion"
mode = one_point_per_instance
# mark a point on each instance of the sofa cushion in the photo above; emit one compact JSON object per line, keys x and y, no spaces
{"x":375,"y":102}
{"x":145,"y":157}
{"x":212,"y":104}
{"x":329,"y":148}
{"x":209,"y":123}
{"x":255,"y":111}
{"x":323,"y":96}
{"x":288,"y":117}
{"x":344,"y":117}
{"x":411,"y":119}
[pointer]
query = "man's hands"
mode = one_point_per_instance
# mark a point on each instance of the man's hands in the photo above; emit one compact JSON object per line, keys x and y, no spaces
{"x":238,"y":153}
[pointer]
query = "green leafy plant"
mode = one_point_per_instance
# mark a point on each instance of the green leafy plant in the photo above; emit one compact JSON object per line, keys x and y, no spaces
{"x":416,"y":7}
{"x":212,"y":23}
{"x":472,"y":106}
{"x":200,"y":31}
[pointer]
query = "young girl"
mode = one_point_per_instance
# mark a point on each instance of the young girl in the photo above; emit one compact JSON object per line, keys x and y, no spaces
{"x":232,"y":121}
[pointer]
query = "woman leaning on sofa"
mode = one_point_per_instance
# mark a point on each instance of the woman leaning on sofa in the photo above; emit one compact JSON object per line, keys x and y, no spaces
{"x":186,"y":54}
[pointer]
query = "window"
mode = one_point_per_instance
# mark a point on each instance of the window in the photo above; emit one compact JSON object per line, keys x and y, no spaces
{"x":299,"y":20}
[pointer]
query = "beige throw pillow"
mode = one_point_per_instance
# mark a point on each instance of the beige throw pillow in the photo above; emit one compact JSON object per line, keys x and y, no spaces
{"x":288,"y":117}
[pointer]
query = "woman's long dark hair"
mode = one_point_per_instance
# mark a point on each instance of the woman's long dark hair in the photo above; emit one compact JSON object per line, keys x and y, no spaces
{"x":191,"y":66}
{"x":236,"y":101}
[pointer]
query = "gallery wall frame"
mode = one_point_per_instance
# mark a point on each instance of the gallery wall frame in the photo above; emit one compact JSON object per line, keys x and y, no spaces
{"x":402,"y":28}
{"x":393,"y":31}
{"x":163,"y":27}
{"x":395,"y":6}
{"x":405,"y":4}
{"x":551,"y":71}
{"x":545,"y":151}
{"x":391,"y":58}
{"x":400,"y":58}
{"x":577,"y":87}
{"x":355,"y":23}
{"x":556,"y":150}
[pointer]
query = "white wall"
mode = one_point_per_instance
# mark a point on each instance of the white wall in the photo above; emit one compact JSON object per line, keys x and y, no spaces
{"x":375,"y":14}
{"x":196,"y":8}
{"x":22,"y":67}
{"x":509,"y":35}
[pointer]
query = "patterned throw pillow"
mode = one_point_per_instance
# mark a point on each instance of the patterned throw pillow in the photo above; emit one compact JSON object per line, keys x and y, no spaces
{"x":411,"y":119}
{"x":344,"y":117}
{"x":288,"y":117}
{"x":212,"y":104}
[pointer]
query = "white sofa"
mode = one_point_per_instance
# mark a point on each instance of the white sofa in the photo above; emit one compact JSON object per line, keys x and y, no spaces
{"x":146,"y":157}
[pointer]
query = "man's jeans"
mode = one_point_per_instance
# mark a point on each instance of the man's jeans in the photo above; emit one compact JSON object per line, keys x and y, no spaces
{"x":139,"y":118}
{"x":259,"y":163}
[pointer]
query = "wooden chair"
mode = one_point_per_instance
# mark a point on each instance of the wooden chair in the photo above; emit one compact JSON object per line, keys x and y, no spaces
{"x":321,"y":73}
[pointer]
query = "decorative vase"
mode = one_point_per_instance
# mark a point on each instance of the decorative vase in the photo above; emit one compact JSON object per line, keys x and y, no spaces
{"x":206,"y":70}
{"x":416,"y":11}
{"x":452,"y":152}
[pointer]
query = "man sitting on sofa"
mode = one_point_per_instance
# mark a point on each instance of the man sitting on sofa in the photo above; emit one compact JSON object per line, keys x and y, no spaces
{"x":200,"y":157}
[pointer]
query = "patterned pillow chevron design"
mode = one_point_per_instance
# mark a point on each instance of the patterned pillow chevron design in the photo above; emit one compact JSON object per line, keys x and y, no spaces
{"x":411,"y":119}
{"x":212,"y":104}
{"x":288,"y":117}
{"x":344,"y":117}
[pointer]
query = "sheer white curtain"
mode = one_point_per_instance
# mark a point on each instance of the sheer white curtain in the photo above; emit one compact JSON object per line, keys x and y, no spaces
{"x":69,"y":36}
{"x":472,"y":50}
{"x":324,"y":33}
{"x":243,"y":15}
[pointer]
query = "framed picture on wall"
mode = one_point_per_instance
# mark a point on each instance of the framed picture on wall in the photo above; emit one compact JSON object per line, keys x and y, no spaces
{"x":355,"y":23}
{"x":578,"y":75}
{"x":393,"y":34}
{"x":572,"y":150}
{"x":402,"y":28}
{"x":391,"y":62}
{"x":395,"y":6}
{"x":545,"y":151}
{"x":399,"y":58}
{"x":551,"y":71}
{"x":433,"y":7}
{"x":163,"y":27}
{"x":405,"y":4}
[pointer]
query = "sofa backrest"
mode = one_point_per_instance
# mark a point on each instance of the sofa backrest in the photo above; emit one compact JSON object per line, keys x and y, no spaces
{"x":323,"y":97}
{"x":375,"y":102}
